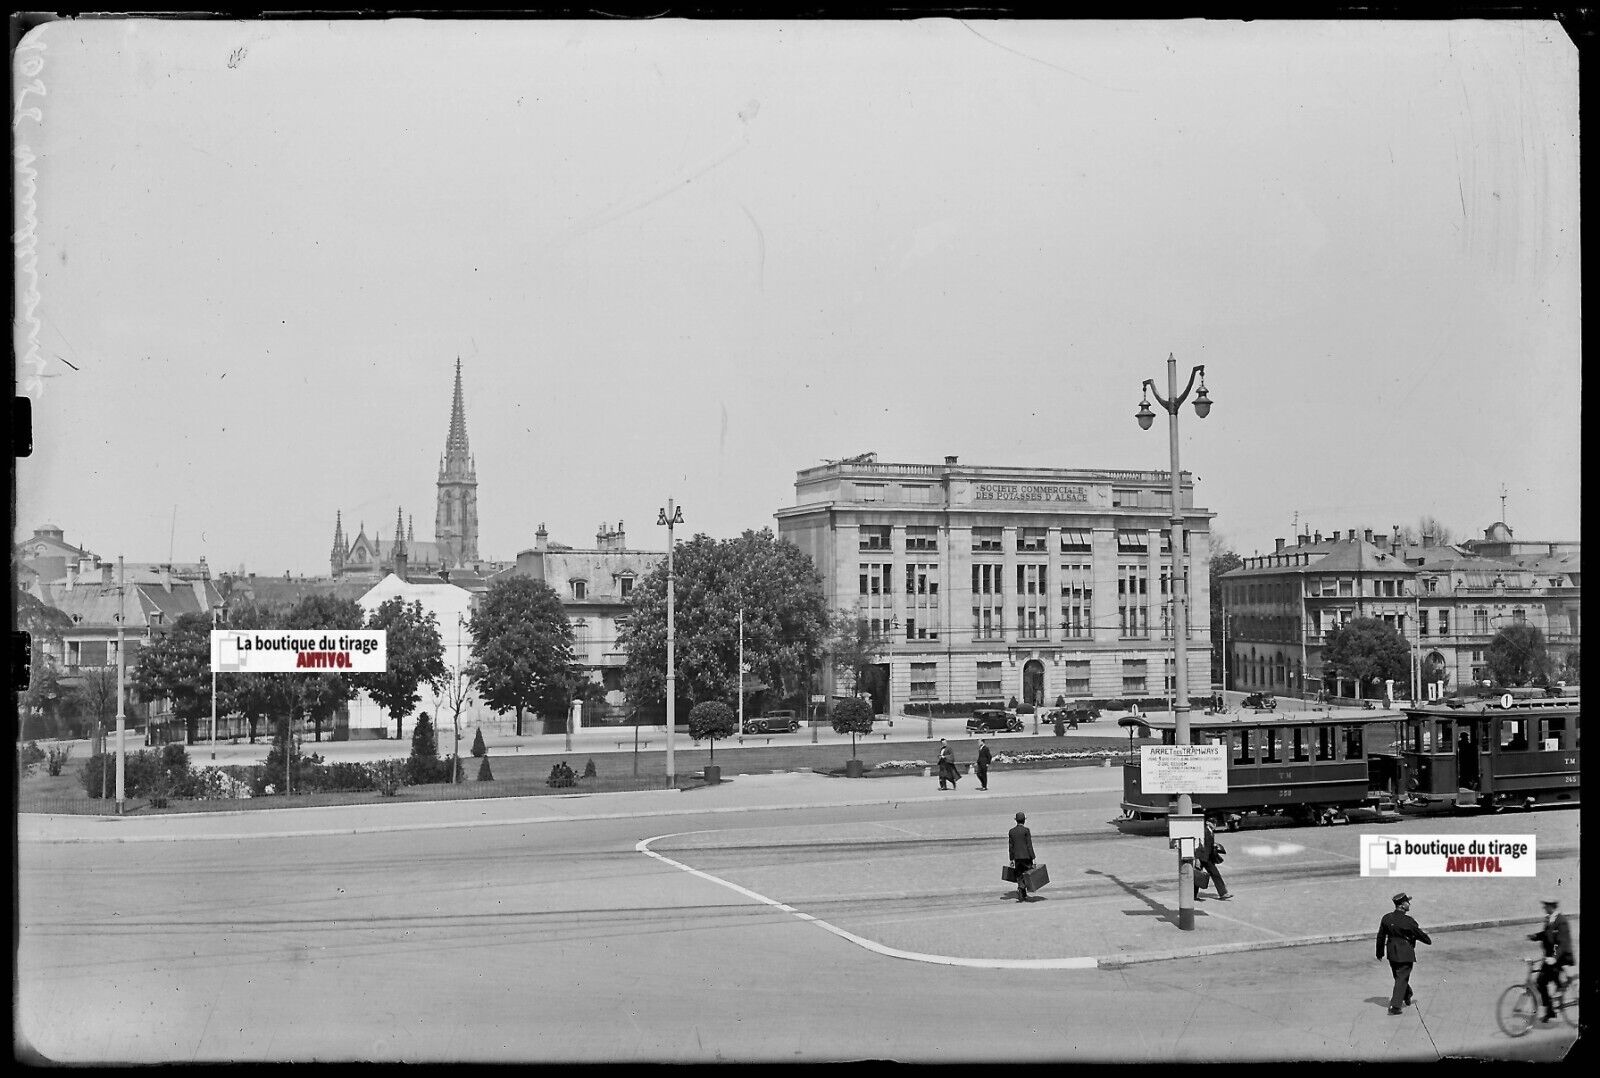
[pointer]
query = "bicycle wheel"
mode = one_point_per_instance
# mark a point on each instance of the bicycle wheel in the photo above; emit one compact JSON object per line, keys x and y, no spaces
{"x":1568,"y":1006}
{"x":1517,"y":1011}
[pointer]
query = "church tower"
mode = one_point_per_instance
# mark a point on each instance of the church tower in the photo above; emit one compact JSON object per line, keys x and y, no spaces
{"x":455,"y":523}
{"x":336,"y":556}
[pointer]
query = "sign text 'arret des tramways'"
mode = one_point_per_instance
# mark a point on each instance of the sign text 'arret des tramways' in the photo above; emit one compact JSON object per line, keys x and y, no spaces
{"x":298,"y":651}
{"x":1183,"y":769}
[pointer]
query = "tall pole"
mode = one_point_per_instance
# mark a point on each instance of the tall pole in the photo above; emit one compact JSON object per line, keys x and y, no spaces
{"x":894,"y":627}
{"x":214,"y":612}
{"x":1180,"y":665}
{"x":672,"y":514}
{"x":122,"y":667}
{"x":741,"y":669}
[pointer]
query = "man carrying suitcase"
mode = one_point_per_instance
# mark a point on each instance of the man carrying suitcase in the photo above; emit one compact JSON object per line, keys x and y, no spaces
{"x":1021,"y":840}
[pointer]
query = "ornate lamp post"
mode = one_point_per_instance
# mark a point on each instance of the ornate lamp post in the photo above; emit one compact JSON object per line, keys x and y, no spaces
{"x":672,"y":514}
{"x":1180,"y":589}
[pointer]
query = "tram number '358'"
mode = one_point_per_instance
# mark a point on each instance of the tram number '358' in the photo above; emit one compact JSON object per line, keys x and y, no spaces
{"x":1285,"y":793}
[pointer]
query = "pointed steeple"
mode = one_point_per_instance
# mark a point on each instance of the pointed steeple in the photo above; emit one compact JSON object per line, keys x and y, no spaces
{"x":336,"y":556}
{"x":411,"y":535}
{"x":455,"y":521}
{"x":397,"y":554}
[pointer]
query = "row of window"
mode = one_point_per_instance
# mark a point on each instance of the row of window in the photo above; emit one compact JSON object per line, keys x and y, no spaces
{"x":989,"y":682}
{"x":1296,"y":744}
{"x":1029,"y":540}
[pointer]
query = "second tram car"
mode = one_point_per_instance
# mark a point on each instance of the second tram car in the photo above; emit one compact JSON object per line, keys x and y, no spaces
{"x":1486,"y":754}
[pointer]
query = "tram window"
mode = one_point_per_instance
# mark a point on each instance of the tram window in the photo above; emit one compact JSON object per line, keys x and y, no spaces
{"x":1352,"y":743}
{"x":1241,"y":747}
{"x":1269,"y":746}
{"x":1514,"y":734}
{"x":1301,"y":754}
{"x":1555,"y":727}
{"x":1422,"y":737}
{"x":1325,"y":742}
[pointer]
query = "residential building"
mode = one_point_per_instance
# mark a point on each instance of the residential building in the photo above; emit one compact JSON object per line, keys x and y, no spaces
{"x":997,"y":582}
{"x":595,"y":585}
{"x":1447,"y":601}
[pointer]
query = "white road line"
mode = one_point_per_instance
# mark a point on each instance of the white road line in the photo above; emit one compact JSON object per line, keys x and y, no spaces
{"x":870,"y":945}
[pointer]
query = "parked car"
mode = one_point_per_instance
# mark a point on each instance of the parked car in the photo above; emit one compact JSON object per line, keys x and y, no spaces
{"x":773,"y":722}
{"x":1261,"y":701}
{"x":993,"y":721}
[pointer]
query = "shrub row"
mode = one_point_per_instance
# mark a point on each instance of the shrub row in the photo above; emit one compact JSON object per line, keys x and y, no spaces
{"x":148,"y":775}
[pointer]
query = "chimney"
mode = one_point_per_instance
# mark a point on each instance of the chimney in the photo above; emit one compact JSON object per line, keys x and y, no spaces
{"x":1301,"y":540}
{"x":949,"y":460}
{"x":1382,"y":540}
{"x":105,"y":575}
{"x":1280,"y":546}
{"x":1336,"y":536}
{"x":541,"y":539}
{"x":1318,"y":538}
{"x":1367,"y":535}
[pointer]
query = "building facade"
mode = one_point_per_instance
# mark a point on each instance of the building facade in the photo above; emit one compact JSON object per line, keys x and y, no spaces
{"x":1447,"y":601}
{"x":595,"y":586}
{"x":993,"y":583}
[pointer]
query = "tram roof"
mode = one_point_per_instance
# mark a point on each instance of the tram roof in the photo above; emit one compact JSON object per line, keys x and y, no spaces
{"x":1333,"y":717}
{"x":1490,"y":708}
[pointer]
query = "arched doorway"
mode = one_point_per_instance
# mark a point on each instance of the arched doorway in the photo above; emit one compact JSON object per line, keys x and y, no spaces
{"x":1033,"y":682}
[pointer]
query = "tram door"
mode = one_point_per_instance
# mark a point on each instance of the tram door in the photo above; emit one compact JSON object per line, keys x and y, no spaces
{"x":1467,"y":772}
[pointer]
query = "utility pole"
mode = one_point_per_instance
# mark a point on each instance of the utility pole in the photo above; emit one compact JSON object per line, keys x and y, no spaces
{"x":122,"y":669}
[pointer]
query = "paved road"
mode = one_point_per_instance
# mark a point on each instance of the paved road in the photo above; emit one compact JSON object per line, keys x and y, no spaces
{"x":779,"y":917}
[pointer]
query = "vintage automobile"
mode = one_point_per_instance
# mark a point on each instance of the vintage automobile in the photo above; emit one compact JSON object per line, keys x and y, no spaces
{"x":1261,"y":701}
{"x":993,"y":720}
{"x":773,"y":722}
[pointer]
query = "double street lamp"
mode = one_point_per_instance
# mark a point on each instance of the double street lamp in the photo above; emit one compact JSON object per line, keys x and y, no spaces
{"x":1172,"y":402}
{"x":672,"y":514}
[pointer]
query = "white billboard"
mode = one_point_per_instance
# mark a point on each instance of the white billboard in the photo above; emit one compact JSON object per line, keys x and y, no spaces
{"x":299,"y":651}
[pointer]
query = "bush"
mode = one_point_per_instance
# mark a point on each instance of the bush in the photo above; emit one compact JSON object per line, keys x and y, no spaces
{"x":561,"y":775}
{"x":220,"y":783}
{"x":28,"y":756}
{"x":478,"y":747}
{"x":1061,"y":701}
{"x":388,"y":776}
{"x":140,"y":772}
{"x":484,"y":774}
{"x":423,"y":741}
{"x":710,"y":720}
{"x":175,"y":757}
{"x":57,"y":758}
{"x":588,"y":769}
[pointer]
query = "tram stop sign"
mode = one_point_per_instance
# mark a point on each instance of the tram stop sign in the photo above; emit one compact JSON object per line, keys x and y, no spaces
{"x":1183,"y":769}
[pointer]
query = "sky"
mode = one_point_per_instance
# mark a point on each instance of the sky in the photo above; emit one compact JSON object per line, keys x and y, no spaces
{"x":687,"y":260}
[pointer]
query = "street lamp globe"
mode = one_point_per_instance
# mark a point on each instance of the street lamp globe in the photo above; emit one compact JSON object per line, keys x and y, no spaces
{"x":1145,"y":415}
{"x":1202,"y":401}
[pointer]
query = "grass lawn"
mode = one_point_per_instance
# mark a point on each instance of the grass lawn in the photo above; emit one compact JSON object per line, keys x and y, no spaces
{"x":526,"y":775}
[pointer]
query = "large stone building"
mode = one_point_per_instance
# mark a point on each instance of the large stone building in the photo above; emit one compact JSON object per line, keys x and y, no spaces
{"x":994,"y":582}
{"x":1446,"y":600}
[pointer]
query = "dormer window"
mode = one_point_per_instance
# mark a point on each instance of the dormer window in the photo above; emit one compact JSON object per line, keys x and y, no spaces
{"x":625,"y":585}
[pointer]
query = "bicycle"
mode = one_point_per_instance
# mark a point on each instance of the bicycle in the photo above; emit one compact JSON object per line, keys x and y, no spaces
{"x":1520,"y":1007}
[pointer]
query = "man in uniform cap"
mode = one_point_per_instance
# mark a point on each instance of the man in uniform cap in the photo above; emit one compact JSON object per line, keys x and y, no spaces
{"x":1556,"y":938}
{"x":1397,"y":936}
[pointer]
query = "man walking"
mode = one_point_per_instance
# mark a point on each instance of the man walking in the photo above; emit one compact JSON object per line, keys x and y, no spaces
{"x":982,"y":766}
{"x":1556,"y":938}
{"x":1207,"y":856}
{"x":1397,"y":936}
{"x":1021,"y":843}
{"x":947,"y":767}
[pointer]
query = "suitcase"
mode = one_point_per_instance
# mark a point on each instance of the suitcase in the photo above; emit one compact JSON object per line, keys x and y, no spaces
{"x":1036,"y":877}
{"x":1008,"y":873}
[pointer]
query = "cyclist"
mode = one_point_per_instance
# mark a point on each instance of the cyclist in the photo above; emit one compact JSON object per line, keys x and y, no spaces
{"x":1556,"y":938}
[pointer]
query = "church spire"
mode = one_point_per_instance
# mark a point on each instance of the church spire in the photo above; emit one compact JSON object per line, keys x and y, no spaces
{"x":340,"y":548}
{"x":455,"y":522}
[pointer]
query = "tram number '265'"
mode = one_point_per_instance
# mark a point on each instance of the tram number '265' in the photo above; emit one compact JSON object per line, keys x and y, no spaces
{"x":1571,"y":780}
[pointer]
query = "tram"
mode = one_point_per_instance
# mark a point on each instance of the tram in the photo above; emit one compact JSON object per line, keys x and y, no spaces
{"x":1514,"y":752}
{"x":1313,"y":766}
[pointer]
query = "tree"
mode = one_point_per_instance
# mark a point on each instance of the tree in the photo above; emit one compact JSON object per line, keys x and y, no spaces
{"x":711,"y":719}
{"x":854,"y":648}
{"x":97,"y":692}
{"x":522,"y":657}
{"x":45,"y":625}
{"x":1517,"y":655}
{"x":1367,"y":650}
{"x":852,"y":716}
{"x":478,"y":747}
{"x":415,"y":658}
{"x":255,"y":696}
{"x":1223,"y":560}
{"x":177,"y":666}
{"x":1427,"y":525}
{"x":785,"y":620}
{"x":320,"y":695}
